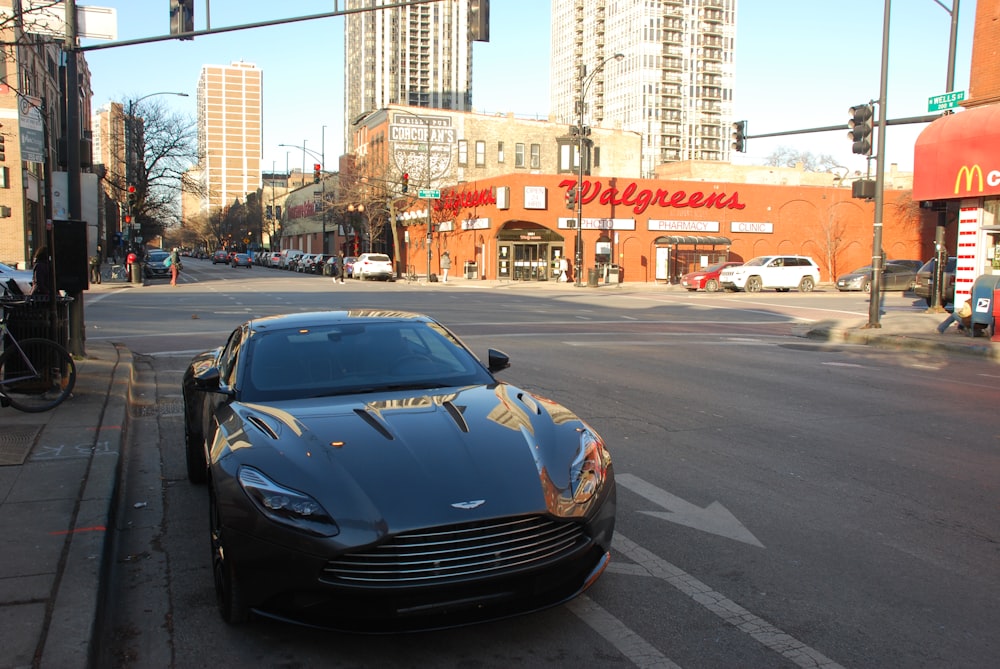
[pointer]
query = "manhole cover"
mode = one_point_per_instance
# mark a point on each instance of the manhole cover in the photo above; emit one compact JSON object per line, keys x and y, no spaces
{"x":16,"y":443}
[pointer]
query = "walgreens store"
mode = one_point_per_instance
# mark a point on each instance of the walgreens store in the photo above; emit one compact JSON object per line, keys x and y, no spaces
{"x":519,"y":227}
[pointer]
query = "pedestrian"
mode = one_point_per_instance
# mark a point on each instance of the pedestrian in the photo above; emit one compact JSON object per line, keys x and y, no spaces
{"x":341,"y":269}
{"x":41,"y":278}
{"x":563,"y":269}
{"x":961,"y":315}
{"x":175,"y":265}
{"x":445,"y":266}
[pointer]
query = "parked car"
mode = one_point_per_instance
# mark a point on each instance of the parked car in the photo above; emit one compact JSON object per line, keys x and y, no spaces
{"x":779,"y":272}
{"x":362,"y":465}
{"x":349,"y":266}
{"x":154,"y":267}
{"x":306,"y":263}
{"x":22,"y":277}
{"x":706,"y":279}
{"x":288,"y":256}
{"x":220,"y":256}
{"x":373,"y":266}
{"x":241,"y":260}
{"x":894,"y":277}
{"x":925,"y":275}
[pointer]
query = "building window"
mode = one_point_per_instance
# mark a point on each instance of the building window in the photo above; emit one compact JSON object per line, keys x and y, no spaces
{"x":500,"y":152}
{"x":536,"y":156}
{"x":480,"y":154}
{"x":519,"y":155}
{"x":463,"y":152}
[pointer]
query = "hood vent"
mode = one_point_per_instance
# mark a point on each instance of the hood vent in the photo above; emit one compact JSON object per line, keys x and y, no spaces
{"x":262,"y":425}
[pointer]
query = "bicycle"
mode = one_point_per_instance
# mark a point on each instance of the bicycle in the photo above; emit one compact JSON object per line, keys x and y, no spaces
{"x":115,"y":273}
{"x":411,"y":274}
{"x":35,"y":374}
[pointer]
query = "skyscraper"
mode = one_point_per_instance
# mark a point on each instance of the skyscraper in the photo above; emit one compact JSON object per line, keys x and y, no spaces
{"x":229,"y":132}
{"x":418,"y":55}
{"x":675,"y":85}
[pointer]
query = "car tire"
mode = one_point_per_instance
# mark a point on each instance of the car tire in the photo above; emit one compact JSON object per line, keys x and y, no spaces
{"x":228,"y":589}
{"x":867,"y":287}
{"x":194,"y":455}
{"x":806,"y":284}
{"x":754,"y":285}
{"x":711,"y":286}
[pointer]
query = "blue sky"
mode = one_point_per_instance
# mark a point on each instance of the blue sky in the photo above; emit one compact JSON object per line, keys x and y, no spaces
{"x":799,"y":64}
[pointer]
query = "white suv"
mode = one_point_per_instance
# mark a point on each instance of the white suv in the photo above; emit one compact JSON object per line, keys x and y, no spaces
{"x":779,"y":272}
{"x":373,"y":266}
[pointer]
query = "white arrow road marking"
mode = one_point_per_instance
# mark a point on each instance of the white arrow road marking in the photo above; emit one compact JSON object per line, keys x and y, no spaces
{"x":628,"y":643}
{"x":731,"y":612}
{"x":714,"y":519}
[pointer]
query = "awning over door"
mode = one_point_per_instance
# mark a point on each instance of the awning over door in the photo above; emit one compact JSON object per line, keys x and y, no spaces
{"x":693,"y":240}
{"x":958,"y":156}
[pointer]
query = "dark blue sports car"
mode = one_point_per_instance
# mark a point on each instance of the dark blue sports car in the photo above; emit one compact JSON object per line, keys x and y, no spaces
{"x":367,"y":472}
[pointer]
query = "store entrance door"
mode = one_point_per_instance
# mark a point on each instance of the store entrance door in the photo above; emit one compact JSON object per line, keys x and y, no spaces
{"x":531,"y":261}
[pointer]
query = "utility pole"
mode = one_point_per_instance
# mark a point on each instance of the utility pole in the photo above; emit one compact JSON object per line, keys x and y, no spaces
{"x":72,"y":93}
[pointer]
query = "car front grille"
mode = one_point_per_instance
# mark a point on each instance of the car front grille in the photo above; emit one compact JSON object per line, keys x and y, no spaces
{"x":491,"y":548}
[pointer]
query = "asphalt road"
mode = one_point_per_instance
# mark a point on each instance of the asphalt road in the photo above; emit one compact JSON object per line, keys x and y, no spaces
{"x":781,"y":502}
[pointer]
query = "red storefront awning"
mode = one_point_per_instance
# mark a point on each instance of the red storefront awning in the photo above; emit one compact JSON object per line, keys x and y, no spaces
{"x":959,"y":156}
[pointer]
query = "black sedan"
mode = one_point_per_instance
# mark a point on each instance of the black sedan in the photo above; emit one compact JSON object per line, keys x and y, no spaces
{"x":367,"y":472}
{"x":155,"y":266}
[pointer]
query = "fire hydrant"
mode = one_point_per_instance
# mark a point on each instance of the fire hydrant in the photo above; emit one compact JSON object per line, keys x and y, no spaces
{"x":133,"y":269}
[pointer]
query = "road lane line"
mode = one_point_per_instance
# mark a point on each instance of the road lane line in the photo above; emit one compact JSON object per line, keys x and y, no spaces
{"x":731,"y":612}
{"x":628,"y":643}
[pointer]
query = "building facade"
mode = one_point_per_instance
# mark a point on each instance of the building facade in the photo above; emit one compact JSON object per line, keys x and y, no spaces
{"x":674,"y":86}
{"x":417,"y":55}
{"x":230,"y":133}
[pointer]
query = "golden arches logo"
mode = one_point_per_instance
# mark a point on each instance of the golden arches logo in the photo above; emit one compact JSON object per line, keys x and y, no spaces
{"x":969,"y":173}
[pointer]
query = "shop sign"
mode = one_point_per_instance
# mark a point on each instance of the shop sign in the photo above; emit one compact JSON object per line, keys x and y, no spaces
{"x":970,"y":179}
{"x":598,"y":223}
{"x":476,"y":224}
{"x":752,"y":227}
{"x":642,"y":198}
{"x":454,"y":201}
{"x":658,"y":225}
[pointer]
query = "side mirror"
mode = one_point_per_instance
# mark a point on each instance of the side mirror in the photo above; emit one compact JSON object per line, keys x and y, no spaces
{"x":498,"y":360}
{"x":208,"y":380}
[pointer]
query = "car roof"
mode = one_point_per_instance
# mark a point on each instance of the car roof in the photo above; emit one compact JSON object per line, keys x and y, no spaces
{"x":315,"y":318}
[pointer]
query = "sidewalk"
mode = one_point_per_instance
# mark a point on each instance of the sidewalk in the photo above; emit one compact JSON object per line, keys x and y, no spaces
{"x":58,"y":477}
{"x":59,"y":472}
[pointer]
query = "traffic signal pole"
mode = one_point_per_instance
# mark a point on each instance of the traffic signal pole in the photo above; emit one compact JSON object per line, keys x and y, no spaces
{"x":875,"y":298}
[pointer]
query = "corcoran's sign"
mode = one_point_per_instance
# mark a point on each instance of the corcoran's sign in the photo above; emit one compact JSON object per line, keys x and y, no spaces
{"x":640,"y":199}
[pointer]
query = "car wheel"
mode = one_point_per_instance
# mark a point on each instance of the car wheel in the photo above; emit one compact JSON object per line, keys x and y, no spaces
{"x":228,"y":590}
{"x":867,"y":287}
{"x":754,"y":285}
{"x":806,"y":285}
{"x":194,"y":455}
{"x":711,"y":286}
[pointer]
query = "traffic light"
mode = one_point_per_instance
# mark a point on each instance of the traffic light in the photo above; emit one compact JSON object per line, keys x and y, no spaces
{"x":181,"y":17}
{"x":860,"y":128}
{"x":131,"y":196}
{"x":316,"y":170}
{"x":2,"y":147}
{"x":406,"y":181}
{"x":740,"y":136}
{"x":571,"y":199}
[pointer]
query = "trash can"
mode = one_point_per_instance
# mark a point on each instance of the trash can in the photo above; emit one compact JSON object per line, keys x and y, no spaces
{"x":592,"y":276}
{"x":32,"y":318}
{"x":982,"y":301}
{"x":136,"y":270}
{"x":614,"y":274}
{"x":471,"y":270}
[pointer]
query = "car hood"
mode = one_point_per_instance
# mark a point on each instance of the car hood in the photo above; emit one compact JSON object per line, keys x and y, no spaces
{"x":395,"y":460}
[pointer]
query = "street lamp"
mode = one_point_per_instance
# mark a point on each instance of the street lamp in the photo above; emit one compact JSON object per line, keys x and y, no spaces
{"x":585,"y":82}
{"x":322,"y":165}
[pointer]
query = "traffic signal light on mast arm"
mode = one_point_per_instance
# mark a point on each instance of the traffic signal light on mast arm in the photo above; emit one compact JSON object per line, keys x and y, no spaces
{"x":406,"y":181}
{"x":317,"y":168}
{"x":740,"y":136}
{"x":860,"y":128}
{"x":571,"y":199}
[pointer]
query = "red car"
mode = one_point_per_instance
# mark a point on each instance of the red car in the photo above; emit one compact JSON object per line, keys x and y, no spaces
{"x":706,"y":279}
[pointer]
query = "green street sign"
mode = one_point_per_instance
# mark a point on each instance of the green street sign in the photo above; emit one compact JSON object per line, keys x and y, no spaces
{"x":429,"y":193}
{"x":946,"y":101}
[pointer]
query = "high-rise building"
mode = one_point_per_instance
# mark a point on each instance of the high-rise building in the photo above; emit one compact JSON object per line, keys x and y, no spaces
{"x":416,"y":55}
{"x":674,"y":85}
{"x":229,"y":133}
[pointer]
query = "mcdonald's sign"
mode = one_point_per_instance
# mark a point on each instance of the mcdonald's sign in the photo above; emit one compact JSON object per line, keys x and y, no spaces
{"x":970,"y":181}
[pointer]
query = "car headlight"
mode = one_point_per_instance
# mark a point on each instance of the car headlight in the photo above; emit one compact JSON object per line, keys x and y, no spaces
{"x":589,"y":468}
{"x":286,"y":506}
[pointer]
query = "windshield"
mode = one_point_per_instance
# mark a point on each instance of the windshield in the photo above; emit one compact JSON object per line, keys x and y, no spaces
{"x":378,"y":258}
{"x":345,"y":358}
{"x":158,"y":256}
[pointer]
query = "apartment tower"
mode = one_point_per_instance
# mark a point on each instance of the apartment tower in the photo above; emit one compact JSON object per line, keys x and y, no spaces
{"x":229,"y":133}
{"x":417,"y":55}
{"x":674,"y":85}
